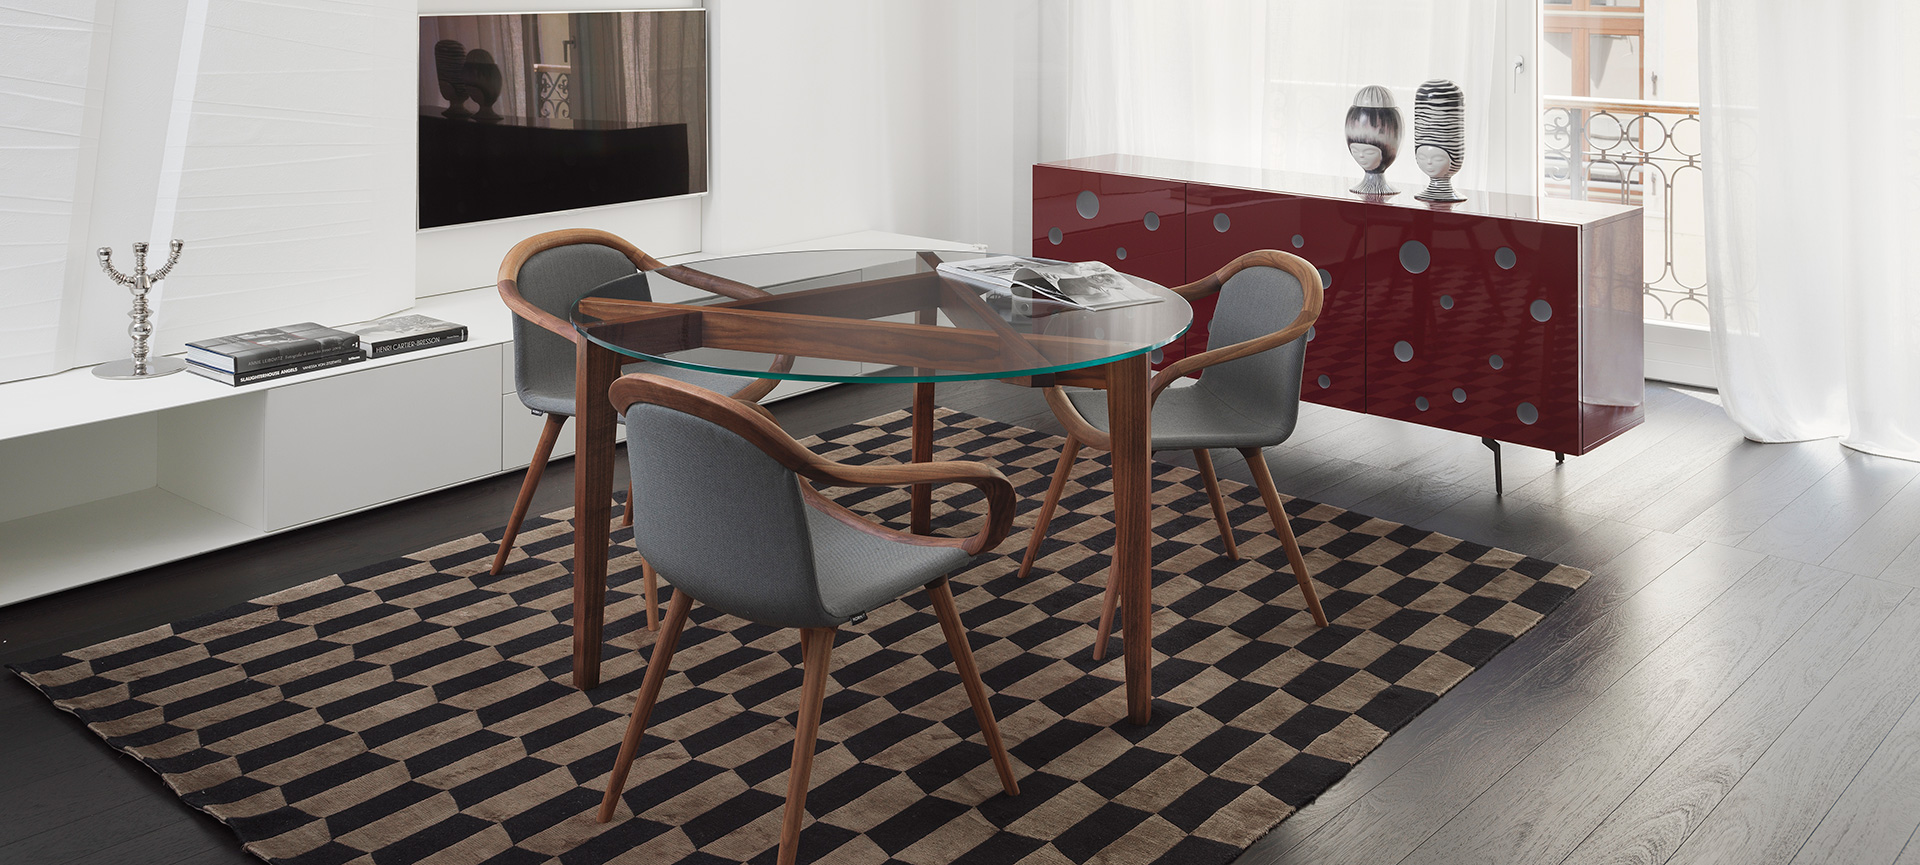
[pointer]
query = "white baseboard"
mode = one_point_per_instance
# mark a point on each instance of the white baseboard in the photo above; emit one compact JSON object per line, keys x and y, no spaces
{"x":1680,"y":353}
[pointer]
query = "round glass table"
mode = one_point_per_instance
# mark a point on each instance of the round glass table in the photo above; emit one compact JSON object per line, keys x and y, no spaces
{"x":868,"y":316}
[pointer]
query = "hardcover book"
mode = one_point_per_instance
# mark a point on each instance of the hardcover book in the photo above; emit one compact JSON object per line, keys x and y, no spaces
{"x":404,"y":333}
{"x":272,"y":347}
{"x":237,"y":379}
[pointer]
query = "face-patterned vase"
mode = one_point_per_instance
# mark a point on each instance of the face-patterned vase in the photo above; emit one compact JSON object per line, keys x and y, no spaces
{"x":1439,"y":137}
{"x":450,"y":66}
{"x":1373,"y":137}
{"x":483,"y":84}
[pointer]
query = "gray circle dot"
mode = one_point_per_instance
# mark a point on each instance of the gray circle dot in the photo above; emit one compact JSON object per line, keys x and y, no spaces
{"x":1310,"y":333}
{"x":1088,"y":204}
{"x":1505,"y":258}
{"x":1326,"y":278}
{"x":1495,"y":361}
{"x":1152,"y":220}
{"x":1459,"y":394}
{"x":1325,"y":382}
{"x":1527,"y":413}
{"x":1415,"y":257}
{"x":1156,"y":356}
{"x":1541,"y":310}
{"x":1054,"y":236}
{"x":1299,"y":241}
{"x":1221,"y":222}
{"x":1421,"y":403}
{"x":1403,"y":350}
{"x":1120,"y":253}
{"x":1446,"y":301}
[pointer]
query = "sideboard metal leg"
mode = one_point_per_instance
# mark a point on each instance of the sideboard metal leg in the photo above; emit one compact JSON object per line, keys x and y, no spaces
{"x":1559,"y":457}
{"x":1499,"y":483}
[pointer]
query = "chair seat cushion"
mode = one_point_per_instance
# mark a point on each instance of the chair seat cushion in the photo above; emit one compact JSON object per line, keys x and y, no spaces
{"x":562,"y":403}
{"x":1187,"y":418}
{"x":859,"y":572}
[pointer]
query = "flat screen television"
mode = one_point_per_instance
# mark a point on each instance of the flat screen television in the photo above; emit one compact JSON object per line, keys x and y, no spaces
{"x":542,"y":112}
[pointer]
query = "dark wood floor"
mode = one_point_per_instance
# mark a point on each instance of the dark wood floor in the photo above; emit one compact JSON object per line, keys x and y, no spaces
{"x":1736,"y":684}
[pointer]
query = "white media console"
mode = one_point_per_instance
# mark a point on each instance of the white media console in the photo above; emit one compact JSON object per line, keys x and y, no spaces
{"x":100,"y":478}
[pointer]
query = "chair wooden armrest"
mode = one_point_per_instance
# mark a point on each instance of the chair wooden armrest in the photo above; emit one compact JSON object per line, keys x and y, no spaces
{"x":756,"y":426}
{"x":509,"y":286}
{"x":1301,"y":270}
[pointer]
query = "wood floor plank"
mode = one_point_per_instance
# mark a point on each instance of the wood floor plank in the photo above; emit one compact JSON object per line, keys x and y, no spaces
{"x":68,"y":797}
{"x":1880,"y":810}
{"x":1756,"y":500}
{"x":1617,"y":576}
{"x":1464,"y":460}
{"x":1904,"y":569}
{"x":191,"y":840}
{"x":1413,"y":501}
{"x":1627,"y":489}
{"x":132,"y":821}
{"x":1511,"y":523}
{"x":1669,"y":411}
{"x":1813,"y":526}
{"x":1650,"y":824}
{"x":1678,"y":504}
{"x":1883,"y":537}
{"x":1602,"y":753}
{"x":1402,"y":811}
{"x":1775,"y":806}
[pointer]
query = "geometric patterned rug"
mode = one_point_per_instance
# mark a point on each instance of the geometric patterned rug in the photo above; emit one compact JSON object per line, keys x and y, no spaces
{"x":418,"y":711}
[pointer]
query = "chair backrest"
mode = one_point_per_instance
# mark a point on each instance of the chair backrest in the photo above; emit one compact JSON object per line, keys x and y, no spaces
{"x":553,"y":280}
{"x":724,"y":521}
{"x":1265,"y":387}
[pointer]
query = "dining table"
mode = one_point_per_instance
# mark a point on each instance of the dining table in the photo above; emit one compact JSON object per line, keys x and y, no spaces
{"x":869,"y":316}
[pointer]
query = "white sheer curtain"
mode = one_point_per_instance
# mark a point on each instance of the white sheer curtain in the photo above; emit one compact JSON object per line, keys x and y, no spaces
{"x":1812,"y":210}
{"x":1268,"y":82}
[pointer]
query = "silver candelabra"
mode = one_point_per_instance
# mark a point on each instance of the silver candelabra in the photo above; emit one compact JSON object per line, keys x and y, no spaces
{"x":139,"y":366}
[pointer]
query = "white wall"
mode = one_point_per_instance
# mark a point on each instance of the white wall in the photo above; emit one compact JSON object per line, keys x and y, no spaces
{"x":831,"y":116}
{"x":828,"y":117}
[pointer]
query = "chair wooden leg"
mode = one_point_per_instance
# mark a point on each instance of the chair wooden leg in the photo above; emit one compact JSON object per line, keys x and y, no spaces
{"x":943,"y":607}
{"x":1263,"y":477}
{"x":1205,"y":459}
{"x":1067,"y":453}
{"x":650,"y":583}
{"x":541,"y":453}
{"x":643,"y":704}
{"x":816,"y":649}
{"x":626,"y":513}
{"x":1108,"y":605}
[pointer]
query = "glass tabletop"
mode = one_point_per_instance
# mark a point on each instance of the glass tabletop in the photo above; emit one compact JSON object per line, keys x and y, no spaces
{"x":861,"y":315}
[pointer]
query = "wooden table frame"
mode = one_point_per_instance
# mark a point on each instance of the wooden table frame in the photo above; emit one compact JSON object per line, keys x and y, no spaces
{"x":763,"y":325}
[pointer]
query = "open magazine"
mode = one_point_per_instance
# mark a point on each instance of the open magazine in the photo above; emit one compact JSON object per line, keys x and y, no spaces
{"x":1055,"y":284}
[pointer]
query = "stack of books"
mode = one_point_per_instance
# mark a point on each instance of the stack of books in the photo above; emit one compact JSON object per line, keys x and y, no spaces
{"x":403,"y":333}
{"x":259,"y":355}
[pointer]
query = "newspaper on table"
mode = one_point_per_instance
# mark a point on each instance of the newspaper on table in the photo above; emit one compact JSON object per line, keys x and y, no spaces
{"x":1043,"y":283}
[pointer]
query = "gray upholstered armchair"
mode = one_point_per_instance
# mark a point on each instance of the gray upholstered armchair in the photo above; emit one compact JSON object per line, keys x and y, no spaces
{"x":1248,"y":399}
{"x":740,"y":531}
{"x":540,"y":280}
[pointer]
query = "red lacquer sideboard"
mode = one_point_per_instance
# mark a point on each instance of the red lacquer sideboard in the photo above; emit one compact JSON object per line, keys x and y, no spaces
{"x":1512,"y":318}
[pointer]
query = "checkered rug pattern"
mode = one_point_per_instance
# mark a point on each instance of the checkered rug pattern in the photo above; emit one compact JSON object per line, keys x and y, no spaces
{"x":419,"y":711}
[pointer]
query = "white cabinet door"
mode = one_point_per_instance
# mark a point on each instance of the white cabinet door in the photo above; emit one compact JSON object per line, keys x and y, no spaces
{"x":343,"y":443}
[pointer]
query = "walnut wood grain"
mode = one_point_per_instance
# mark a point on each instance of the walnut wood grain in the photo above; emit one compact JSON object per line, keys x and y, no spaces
{"x":593,"y":429}
{"x":816,"y":648}
{"x":542,"y":451}
{"x":956,"y":634}
{"x":1130,"y":415}
{"x":657,"y":665}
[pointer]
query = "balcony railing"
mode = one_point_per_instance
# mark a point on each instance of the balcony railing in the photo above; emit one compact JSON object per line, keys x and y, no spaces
{"x":1646,"y":153}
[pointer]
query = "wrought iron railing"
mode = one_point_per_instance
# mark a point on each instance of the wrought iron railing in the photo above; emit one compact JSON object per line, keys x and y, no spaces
{"x":1638,"y":152}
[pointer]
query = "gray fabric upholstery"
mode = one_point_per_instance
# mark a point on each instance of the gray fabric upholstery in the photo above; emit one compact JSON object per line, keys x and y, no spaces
{"x":554,"y":280}
{"x":1250,"y":402}
{"x":726,"y":523}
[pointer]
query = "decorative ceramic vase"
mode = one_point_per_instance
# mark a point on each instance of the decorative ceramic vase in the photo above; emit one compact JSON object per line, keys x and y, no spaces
{"x":450,"y":65}
{"x":483,"y":84}
{"x":1373,"y":137}
{"x":1439,"y":137}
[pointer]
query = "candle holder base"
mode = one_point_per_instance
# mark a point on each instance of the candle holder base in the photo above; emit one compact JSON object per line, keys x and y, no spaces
{"x":123,"y":369}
